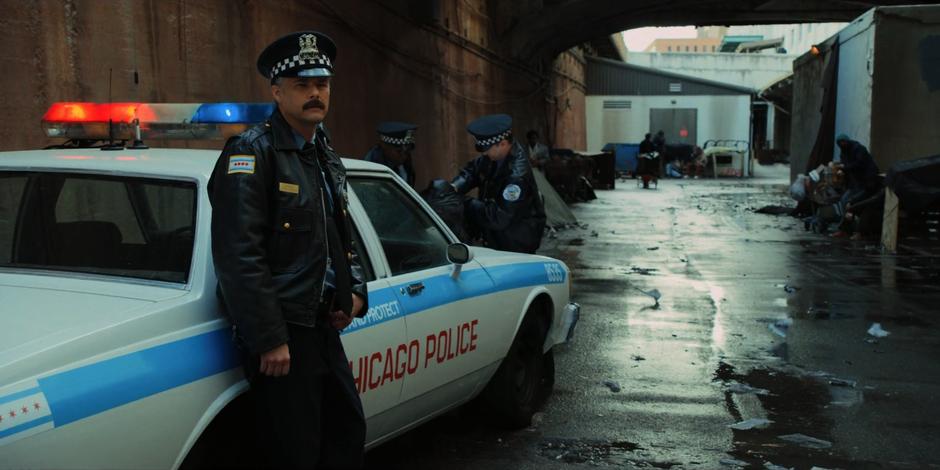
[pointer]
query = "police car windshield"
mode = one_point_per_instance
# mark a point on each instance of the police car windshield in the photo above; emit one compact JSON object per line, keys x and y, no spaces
{"x":119,"y":226}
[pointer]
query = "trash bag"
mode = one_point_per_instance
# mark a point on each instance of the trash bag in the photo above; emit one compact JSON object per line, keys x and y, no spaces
{"x":448,"y":205}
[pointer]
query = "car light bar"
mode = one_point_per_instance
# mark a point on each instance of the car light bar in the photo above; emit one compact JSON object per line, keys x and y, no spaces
{"x":126,"y":121}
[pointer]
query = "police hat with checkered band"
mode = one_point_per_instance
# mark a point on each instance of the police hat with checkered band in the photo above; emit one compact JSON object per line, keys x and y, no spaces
{"x":300,"y":54}
{"x":490,"y":130}
{"x":397,"y":133}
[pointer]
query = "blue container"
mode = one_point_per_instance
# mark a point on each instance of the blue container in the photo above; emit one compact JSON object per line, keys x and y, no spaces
{"x":624,"y":156}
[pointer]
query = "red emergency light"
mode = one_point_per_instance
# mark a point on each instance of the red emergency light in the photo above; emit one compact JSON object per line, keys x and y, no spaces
{"x":98,"y":112}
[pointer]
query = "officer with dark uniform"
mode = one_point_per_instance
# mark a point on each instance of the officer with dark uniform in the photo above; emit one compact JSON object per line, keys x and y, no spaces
{"x":508,"y":211}
{"x":289,"y":277}
{"x":396,"y":143}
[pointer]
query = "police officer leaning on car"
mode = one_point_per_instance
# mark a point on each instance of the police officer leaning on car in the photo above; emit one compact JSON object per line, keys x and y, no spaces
{"x":508,"y":210}
{"x":289,"y":277}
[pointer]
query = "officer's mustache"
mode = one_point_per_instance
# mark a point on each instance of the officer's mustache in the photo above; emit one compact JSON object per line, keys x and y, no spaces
{"x":314,"y":103}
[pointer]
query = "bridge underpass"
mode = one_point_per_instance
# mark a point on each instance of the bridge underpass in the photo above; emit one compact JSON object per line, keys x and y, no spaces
{"x":435,"y":63}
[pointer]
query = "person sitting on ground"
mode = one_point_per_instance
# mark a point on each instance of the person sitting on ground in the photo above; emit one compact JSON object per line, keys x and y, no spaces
{"x":860,"y":172}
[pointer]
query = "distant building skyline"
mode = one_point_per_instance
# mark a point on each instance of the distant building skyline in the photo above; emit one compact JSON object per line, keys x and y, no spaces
{"x":797,"y":38}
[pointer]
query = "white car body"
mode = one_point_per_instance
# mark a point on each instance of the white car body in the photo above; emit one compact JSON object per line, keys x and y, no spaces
{"x":104,"y":371}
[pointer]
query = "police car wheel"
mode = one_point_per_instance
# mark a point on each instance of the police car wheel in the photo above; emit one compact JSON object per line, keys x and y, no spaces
{"x":517,"y":388}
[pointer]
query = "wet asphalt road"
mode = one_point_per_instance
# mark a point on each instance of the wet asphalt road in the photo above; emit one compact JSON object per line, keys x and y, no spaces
{"x":726,"y":275}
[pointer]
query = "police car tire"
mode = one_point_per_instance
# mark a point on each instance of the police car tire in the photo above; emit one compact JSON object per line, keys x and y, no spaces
{"x":517,"y":389}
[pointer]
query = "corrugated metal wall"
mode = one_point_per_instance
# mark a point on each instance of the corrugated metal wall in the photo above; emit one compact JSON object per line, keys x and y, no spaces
{"x":606,"y":77}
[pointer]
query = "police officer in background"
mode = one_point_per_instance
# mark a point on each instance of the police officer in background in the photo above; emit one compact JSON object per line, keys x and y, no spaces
{"x":396,"y":143}
{"x":508,"y":210}
{"x":289,"y":277}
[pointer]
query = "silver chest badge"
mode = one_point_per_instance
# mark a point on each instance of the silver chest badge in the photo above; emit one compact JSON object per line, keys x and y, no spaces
{"x":308,"y":47}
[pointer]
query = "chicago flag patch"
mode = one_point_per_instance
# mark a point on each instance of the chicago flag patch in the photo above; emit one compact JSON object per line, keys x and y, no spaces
{"x":241,"y":164}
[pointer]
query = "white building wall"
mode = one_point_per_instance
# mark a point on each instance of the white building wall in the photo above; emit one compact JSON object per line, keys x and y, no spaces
{"x":755,"y":71}
{"x":719,"y":117}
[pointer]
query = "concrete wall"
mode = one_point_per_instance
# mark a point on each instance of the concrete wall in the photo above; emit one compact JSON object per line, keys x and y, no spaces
{"x":747,"y":70}
{"x":438,"y":64}
{"x":719,"y":117}
{"x":905,"y":112}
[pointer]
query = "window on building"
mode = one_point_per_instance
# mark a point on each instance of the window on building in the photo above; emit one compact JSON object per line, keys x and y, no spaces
{"x":669,"y":49}
{"x":695,"y":48}
{"x":687,"y":48}
{"x":713,"y":48}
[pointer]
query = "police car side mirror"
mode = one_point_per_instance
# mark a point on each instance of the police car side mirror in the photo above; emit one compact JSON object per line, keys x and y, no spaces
{"x":459,"y":254}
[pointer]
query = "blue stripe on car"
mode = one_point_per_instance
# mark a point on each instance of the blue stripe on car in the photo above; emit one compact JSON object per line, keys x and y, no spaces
{"x":18,"y":395}
{"x":88,"y":390}
{"x":25,"y":426}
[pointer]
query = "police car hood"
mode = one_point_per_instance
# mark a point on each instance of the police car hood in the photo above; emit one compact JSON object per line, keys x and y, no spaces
{"x":43,"y":316}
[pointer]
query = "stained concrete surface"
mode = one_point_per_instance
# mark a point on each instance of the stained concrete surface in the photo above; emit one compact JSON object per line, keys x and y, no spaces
{"x":726,"y":274}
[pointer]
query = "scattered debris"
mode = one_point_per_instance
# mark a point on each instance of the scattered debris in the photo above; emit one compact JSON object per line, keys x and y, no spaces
{"x":780,"y":327}
{"x":652,"y":293}
{"x":753,"y":423}
{"x":652,"y":248}
{"x":594,"y":233}
{"x":842,"y":382}
{"x":642,"y":271}
{"x":613,"y":386}
{"x":576,"y":242}
{"x":806,"y":441}
{"x":733,"y":462}
{"x":637,"y":357}
{"x":736,"y":387}
{"x":790,"y":289}
{"x":877,"y":331}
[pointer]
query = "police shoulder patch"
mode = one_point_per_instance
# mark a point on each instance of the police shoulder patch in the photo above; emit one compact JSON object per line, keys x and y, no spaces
{"x":241,"y":164}
{"x":512,"y":192}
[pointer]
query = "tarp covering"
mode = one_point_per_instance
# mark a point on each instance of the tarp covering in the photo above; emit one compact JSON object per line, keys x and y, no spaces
{"x":557,"y":212}
{"x":916,"y":182}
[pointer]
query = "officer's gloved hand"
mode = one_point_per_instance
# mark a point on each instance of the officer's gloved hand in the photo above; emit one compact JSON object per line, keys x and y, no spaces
{"x":442,"y":186}
{"x":473,"y":205}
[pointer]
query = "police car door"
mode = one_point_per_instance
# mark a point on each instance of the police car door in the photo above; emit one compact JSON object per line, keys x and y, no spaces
{"x":370,"y":341}
{"x":443,"y":345}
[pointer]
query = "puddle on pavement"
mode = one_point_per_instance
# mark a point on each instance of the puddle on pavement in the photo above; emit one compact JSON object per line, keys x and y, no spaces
{"x":899,"y":320}
{"x":796,"y":404}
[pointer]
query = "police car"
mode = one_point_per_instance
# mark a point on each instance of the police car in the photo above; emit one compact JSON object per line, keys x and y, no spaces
{"x":112,"y":351}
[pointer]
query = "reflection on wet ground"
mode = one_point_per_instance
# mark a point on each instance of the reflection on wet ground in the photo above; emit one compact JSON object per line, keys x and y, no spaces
{"x":748,"y":302}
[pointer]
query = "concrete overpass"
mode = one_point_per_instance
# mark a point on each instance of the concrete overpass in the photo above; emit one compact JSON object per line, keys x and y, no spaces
{"x":561,"y":24}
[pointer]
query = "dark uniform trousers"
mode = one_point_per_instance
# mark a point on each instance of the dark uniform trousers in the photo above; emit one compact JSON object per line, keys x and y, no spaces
{"x":319,"y":389}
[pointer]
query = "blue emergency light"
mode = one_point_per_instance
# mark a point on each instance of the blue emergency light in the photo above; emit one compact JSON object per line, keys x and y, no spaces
{"x":232,"y":113}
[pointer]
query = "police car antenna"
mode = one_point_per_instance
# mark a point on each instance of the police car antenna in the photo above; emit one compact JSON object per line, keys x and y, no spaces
{"x":111,"y":144}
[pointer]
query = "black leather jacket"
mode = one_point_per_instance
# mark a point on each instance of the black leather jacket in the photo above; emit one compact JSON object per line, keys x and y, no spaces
{"x":509,"y":209}
{"x":269,"y":231}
